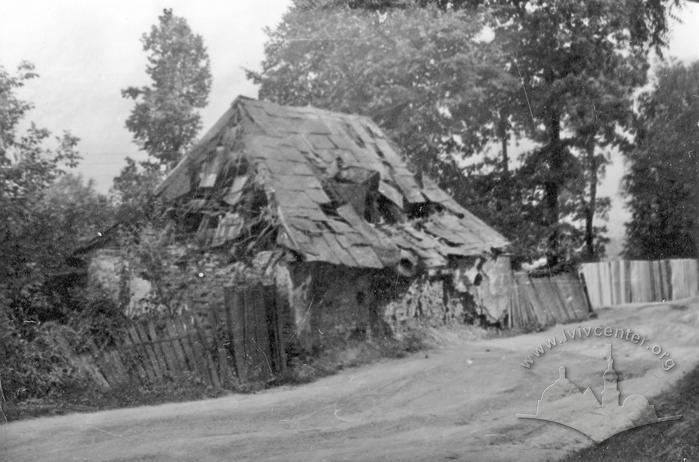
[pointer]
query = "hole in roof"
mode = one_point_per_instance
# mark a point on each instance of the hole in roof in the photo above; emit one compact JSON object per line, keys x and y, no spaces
{"x":420,"y":210}
{"x":236,"y":166}
{"x":390,"y":211}
{"x":191,"y":222}
{"x":379,"y":152}
{"x":330,"y":209}
{"x":370,"y":131}
{"x":354,"y":136}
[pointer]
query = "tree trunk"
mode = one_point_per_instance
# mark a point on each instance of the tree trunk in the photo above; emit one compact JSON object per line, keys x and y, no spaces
{"x":552,"y":186}
{"x":504,"y":138}
{"x":696,"y":208}
{"x":502,"y":192}
{"x":591,"y":204}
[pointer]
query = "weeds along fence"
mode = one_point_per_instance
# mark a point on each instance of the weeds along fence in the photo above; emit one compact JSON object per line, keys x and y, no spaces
{"x":617,"y":282}
{"x":239,"y":342}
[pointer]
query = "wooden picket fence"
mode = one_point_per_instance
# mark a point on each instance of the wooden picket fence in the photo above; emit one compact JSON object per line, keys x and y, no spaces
{"x":630,"y":281}
{"x":239,"y":342}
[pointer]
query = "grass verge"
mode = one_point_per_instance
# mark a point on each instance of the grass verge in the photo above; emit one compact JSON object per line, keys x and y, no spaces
{"x":665,"y":441}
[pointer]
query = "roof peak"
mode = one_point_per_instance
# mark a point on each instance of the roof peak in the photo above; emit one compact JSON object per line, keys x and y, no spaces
{"x":312,"y":164}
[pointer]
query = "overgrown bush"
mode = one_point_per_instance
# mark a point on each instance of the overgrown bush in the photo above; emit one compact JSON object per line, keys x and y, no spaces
{"x":38,"y":368}
{"x":97,"y":318}
{"x":35,"y":355}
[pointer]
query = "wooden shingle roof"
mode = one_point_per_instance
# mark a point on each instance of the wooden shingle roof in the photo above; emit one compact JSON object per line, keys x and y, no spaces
{"x":319,"y":170}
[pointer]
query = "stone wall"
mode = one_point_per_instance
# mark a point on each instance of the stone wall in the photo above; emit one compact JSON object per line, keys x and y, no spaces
{"x":331,"y":303}
{"x":104,"y":272}
{"x":191,"y":282}
{"x":112,"y":273}
{"x":428,"y":302}
{"x":328,"y":303}
{"x":324,"y":303}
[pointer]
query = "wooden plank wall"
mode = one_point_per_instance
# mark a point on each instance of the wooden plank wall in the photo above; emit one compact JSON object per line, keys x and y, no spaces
{"x":223,"y":347}
{"x":542,"y":301}
{"x":616,"y":282}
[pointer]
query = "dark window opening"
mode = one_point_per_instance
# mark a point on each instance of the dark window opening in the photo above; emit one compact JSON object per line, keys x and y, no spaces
{"x":191,"y":222}
{"x":355,"y":136}
{"x":420,"y":210}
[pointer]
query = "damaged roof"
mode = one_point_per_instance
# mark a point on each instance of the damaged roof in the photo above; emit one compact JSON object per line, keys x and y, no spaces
{"x":336,"y":188}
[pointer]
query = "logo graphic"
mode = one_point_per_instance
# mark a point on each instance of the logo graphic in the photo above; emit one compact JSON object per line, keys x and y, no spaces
{"x":563,"y":403}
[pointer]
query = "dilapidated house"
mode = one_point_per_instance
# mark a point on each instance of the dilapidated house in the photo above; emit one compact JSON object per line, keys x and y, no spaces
{"x":356,"y":240}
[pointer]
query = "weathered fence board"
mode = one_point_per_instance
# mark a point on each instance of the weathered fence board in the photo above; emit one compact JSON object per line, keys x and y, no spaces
{"x":275,"y":321}
{"x":155,"y":354}
{"x":206,"y":354}
{"x":255,"y":329}
{"x":185,"y":342}
{"x":136,"y":359}
{"x":630,"y":281}
{"x":176,"y":345}
{"x":218,"y":333}
{"x":541,"y":301}
{"x":235,"y":307}
{"x":683,"y":278}
{"x":149,"y":332}
{"x":239,"y":341}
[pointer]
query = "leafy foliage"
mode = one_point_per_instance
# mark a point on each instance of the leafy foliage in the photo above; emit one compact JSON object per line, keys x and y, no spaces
{"x":40,"y":237}
{"x":560,"y":73}
{"x":579,"y":63}
{"x":419,"y":73}
{"x":37,"y":367}
{"x":661,"y":185}
{"x":133,"y":192}
{"x":46,"y":212}
{"x":165,"y":121}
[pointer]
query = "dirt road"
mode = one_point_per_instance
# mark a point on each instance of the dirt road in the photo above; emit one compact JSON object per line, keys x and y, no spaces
{"x":456,"y":402}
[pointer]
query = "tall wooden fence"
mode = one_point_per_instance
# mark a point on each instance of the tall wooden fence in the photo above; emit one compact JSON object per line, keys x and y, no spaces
{"x":542,"y":301}
{"x":239,"y":342}
{"x":617,"y":282}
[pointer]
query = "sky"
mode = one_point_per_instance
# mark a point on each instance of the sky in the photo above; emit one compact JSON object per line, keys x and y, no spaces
{"x":86,"y":51}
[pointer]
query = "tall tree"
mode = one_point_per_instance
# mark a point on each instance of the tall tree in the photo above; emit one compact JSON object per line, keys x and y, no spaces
{"x":165,"y":121}
{"x":662,"y":184}
{"x":421,"y":73}
{"x":576,"y":65}
{"x":579,"y":63}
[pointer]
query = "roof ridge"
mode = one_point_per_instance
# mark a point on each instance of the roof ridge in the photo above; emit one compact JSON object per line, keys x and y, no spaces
{"x":314,"y":109}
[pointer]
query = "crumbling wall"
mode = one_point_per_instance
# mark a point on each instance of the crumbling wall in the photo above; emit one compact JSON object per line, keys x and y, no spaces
{"x":104,"y":271}
{"x":428,"y":302}
{"x":328,"y":302}
{"x":185,"y":280}
{"x":110,"y":271}
{"x":332,"y":304}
